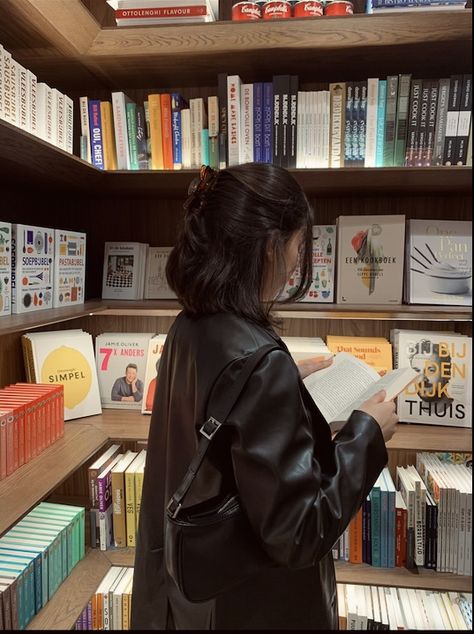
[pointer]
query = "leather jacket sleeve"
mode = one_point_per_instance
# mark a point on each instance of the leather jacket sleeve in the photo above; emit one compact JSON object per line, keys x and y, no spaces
{"x":296,"y":506}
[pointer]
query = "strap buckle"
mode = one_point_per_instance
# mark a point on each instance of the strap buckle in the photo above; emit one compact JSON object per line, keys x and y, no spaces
{"x":210,"y":427}
{"x":173,"y":508}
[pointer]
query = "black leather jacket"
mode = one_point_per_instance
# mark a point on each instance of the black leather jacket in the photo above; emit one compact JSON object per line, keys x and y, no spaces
{"x":298,"y":487}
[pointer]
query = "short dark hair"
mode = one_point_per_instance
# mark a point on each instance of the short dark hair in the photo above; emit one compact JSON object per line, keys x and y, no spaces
{"x":131,"y":365}
{"x":219,"y":262}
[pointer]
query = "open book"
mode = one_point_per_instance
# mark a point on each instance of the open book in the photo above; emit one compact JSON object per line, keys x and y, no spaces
{"x":348,"y":382}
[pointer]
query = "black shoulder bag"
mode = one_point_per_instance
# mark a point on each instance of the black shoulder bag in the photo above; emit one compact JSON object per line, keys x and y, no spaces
{"x":210,"y":547}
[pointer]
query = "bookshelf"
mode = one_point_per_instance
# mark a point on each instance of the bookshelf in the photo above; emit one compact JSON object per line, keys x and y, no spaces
{"x":67,"y":46}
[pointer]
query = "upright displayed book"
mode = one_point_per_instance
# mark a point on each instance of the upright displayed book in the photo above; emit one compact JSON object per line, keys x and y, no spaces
{"x":439,"y":262}
{"x":442,"y":396}
{"x":370,"y":259}
{"x":323,"y":269}
{"x":5,"y":268}
{"x":121,"y":362}
{"x":143,"y":12}
{"x":155,"y":350}
{"x":65,"y":357}
{"x":124,"y":270}
{"x":69,"y":268}
{"x":302,"y":348}
{"x":32,"y":268}
{"x":375,"y":351}
{"x":156,"y":284}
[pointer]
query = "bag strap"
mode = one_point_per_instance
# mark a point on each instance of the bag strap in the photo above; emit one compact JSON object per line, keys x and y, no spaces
{"x":221,"y":410}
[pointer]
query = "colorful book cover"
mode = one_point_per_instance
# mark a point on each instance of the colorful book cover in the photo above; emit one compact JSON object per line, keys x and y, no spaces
{"x":375,"y":351}
{"x":5,"y":268}
{"x":32,"y":268}
{"x":382,"y":98}
{"x":69,"y":268}
{"x":121,"y":273}
{"x":267,"y":122}
{"x":370,"y":259}
{"x":443,"y":394}
{"x":258,"y":122}
{"x":142,"y":141}
{"x":439,"y":261}
{"x":177,"y":104}
{"x":155,"y":350}
{"x":108,"y":135}
{"x":95,"y":126}
{"x":131,"y":110}
{"x":121,"y":362}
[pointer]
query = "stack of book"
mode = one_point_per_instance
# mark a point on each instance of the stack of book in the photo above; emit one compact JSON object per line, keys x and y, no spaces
{"x":149,"y":12}
{"x":36,"y":556}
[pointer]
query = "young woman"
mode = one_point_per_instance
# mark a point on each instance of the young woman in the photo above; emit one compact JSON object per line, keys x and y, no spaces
{"x":245,"y":229}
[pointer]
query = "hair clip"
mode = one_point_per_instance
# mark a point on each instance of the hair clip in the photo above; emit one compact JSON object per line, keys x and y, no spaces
{"x":206,"y":179}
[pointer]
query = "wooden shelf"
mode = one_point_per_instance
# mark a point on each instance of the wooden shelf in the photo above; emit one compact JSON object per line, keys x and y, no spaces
{"x":26,"y":158}
{"x":401,"y":577}
{"x":66,"y":606}
{"x":32,"y":482}
{"x":121,"y":424}
{"x":121,"y":556}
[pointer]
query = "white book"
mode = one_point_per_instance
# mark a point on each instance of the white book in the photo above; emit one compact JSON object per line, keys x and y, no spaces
{"x":186,"y":138}
{"x":318,"y":127}
{"x":392,"y":617}
{"x":306,"y":347}
{"x":156,"y":284}
{"x":108,"y":606}
{"x":2,"y":86}
{"x":121,"y":273}
{"x":24,"y":105}
{"x":424,"y":609}
{"x":121,"y":363}
{"x":455,"y":522}
{"x":433,"y":610}
{"x":383,"y":608}
{"x":6,"y":99}
{"x":32,"y":268}
{"x":415,"y":608}
{"x":69,"y":268}
{"x":69,"y":124}
{"x":407,"y":490}
{"x":105,"y":504}
{"x":312,"y":149}
{"x":337,"y":110}
{"x":371,"y":127}
{"x":119,"y":108}
{"x":67,"y":358}
{"x":85,"y":130}
{"x":44,"y":111}
{"x":399,"y":616}
{"x":58,"y":105}
{"x":299,"y":131}
{"x":246,"y":125}
{"x":213,"y":115}
{"x":405,"y":605}
{"x":104,"y":586}
{"x":360,"y":382}
{"x":351,"y":602}
{"x":5,"y":268}
{"x":420,"y":514}
{"x":155,"y":350}
{"x":377,"y":617}
{"x":32,"y":102}
{"x":117,"y":598}
{"x":15,"y":92}
{"x":234,"y":119}
{"x":198,"y":124}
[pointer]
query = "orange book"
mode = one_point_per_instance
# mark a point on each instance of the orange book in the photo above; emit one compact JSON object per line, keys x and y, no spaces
{"x":156,"y":136}
{"x":375,"y":351}
{"x":18,"y":409}
{"x":6,"y":443}
{"x":39,"y":427}
{"x":355,"y":539}
{"x":108,"y":135}
{"x":53,"y":409}
{"x":32,"y":406}
{"x":167,"y":131}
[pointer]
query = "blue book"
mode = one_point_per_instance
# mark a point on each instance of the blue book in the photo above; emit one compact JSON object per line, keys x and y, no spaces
{"x":8,"y":554}
{"x":391,"y":531}
{"x":268,"y":122}
{"x":177,"y":104}
{"x":95,"y":128}
{"x":25,"y":595}
{"x":375,"y":511}
{"x":20,"y":546}
{"x":382,"y":98}
{"x":205,"y":147}
{"x":258,"y":122}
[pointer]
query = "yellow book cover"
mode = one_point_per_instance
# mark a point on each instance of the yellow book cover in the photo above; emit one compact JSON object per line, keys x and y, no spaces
{"x":375,"y":351}
{"x":156,"y":135}
{"x":118,"y":499}
{"x":139,"y":484}
{"x":130,"y":505}
{"x":126,"y":602}
{"x":108,"y":136}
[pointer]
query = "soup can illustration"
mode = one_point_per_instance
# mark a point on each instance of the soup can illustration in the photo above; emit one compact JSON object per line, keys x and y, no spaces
{"x":276,"y":10}
{"x":308,"y":9}
{"x":339,"y":7}
{"x":246,"y":11}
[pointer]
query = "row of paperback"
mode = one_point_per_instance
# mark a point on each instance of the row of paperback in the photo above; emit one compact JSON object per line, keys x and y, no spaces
{"x":115,"y":490}
{"x":110,"y":606}
{"x":394,"y":121}
{"x":40,"y":268}
{"x":422,"y":520}
{"x":36,"y":556}
{"x":33,"y":106}
{"x":362,"y":607}
{"x":31,"y":419}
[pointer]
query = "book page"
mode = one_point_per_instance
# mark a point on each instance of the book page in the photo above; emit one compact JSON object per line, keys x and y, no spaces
{"x":335,"y":388}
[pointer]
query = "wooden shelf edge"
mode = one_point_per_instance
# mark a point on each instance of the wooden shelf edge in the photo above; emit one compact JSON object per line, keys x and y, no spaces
{"x":120,"y":556}
{"x":421,"y":578}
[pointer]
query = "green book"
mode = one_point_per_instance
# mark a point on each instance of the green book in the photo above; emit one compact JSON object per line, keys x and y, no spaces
{"x":35,"y":524}
{"x":390,"y":120}
{"x":132,"y":135}
{"x":205,"y":147}
{"x":63,"y":523}
{"x":18,"y":572}
{"x":22,"y":546}
{"x":77,"y":513}
{"x":7,"y":554}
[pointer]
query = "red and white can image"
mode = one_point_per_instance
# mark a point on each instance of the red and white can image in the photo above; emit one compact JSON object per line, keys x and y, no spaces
{"x":308,"y":9}
{"x":245,"y":11}
{"x":276,"y":10}
{"x":339,"y":7}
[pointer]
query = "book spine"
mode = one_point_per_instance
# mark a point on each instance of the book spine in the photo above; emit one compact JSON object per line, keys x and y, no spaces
{"x":454,"y":101}
{"x":156,"y":139}
{"x":223,"y":120}
{"x":15,"y":93}
{"x":85,"y":130}
{"x":176,"y":130}
{"x":382,"y":97}
{"x":441,"y":118}
{"x":336,"y":146}
{"x":464,"y":122}
{"x":68,"y":122}
{"x":246,"y":126}
{"x":24,"y":101}
{"x":258,"y":122}
{"x":362,"y":124}
{"x":277,"y":120}
{"x":131,"y":110}
{"x":371,"y":127}
{"x":2,"y":87}
{"x":423,"y":122}
{"x":142,"y":142}
{"x":234,"y":119}
{"x":213,"y":128}
{"x":398,"y":537}
{"x":186,"y":137}
{"x":110,"y":159}
{"x":355,"y":539}
{"x":402,"y":120}
{"x":96,"y":134}
{"x":293,"y":115}
{"x":167,"y":135}
{"x":391,"y":529}
{"x":432,"y":108}
{"x":375,"y":509}
{"x":205,"y":147}
{"x":355,"y":123}
{"x":138,"y":496}
{"x":348,"y":124}
{"x":390,"y":119}
{"x":384,"y":536}
{"x":7,"y":87}
{"x":413,"y":118}
{"x":60,"y":120}
{"x":130,"y":507}
{"x":120,"y":535}
{"x":268,"y":122}
{"x":32,"y":84}
{"x":121,"y":133}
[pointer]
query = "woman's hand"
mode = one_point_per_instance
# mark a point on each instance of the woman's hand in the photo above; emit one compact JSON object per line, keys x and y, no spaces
{"x":308,"y":366}
{"x":383,"y":412}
